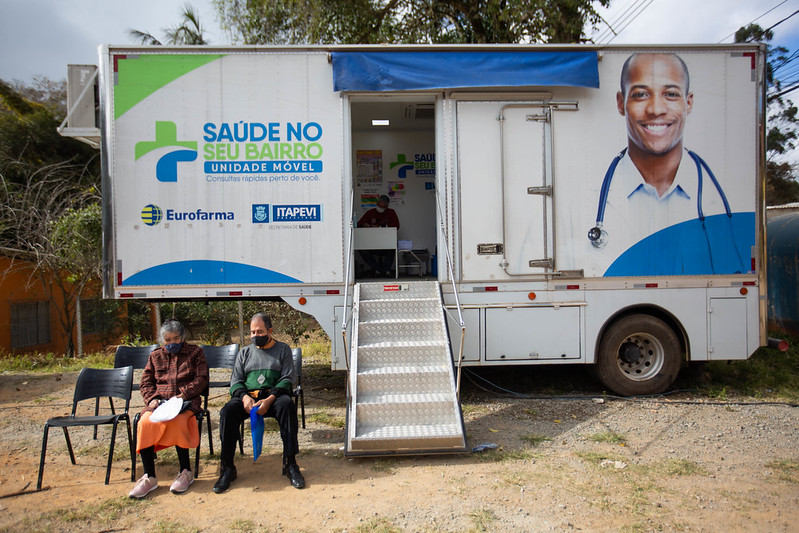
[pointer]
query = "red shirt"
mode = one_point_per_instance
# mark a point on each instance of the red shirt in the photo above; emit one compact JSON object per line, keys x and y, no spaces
{"x":386,"y":219}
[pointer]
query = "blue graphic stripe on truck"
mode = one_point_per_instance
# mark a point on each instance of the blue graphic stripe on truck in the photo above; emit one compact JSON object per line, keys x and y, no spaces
{"x":206,"y":272}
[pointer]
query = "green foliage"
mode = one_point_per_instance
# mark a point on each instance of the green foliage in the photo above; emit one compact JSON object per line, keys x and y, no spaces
{"x":783,"y":123}
{"x":189,"y":31}
{"x":49,"y":362}
{"x":768,"y":373}
{"x":102,"y":317}
{"x":406,"y":21}
{"x":76,"y":240}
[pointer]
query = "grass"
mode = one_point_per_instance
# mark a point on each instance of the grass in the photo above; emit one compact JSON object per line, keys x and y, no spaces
{"x":38,"y":362}
{"x":385,"y":466}
{"x":768,"y":373}
{"x":482,"y":519}
{"x":785,"y":469}
{"x":611,"y":437}
{"x":328,"y":419}
{"x":378,"y":525}
{"x":534,"y":439}
{"x":105,"y":513}
{"x":680,"y":467}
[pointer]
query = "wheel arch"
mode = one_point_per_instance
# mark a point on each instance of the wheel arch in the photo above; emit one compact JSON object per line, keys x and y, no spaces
{"x":652,"y":310}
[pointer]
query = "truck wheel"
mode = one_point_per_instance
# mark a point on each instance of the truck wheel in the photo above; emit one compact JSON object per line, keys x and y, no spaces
{"x":638,"y":355}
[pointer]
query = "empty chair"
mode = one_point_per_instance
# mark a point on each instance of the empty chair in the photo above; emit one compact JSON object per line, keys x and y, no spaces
{"x":217,"y":357}
{"x":95,"y":383}
{"x":135,"y":356}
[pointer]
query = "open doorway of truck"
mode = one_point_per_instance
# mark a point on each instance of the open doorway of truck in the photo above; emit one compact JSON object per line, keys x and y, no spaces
{"x":393,"y":141}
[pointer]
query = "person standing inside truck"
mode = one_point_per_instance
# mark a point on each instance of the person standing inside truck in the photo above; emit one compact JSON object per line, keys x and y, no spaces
{"x":655,"y":184}
{"x":263,"y":377}
{"x":176,"y":370}
{"x":380,"y":261}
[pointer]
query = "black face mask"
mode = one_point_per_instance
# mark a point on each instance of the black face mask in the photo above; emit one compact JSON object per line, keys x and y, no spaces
{"x":260,"y":340}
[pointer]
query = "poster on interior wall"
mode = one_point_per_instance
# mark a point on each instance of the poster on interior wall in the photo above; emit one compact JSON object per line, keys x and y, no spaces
{"x":396,"y":191}
{"x":369,"y":200}
{"x":370,"y":166}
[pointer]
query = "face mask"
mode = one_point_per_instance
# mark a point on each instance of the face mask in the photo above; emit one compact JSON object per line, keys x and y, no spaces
{"x":174,"y":347}
{"x":260,"y":340}
{"x":381,"y":209}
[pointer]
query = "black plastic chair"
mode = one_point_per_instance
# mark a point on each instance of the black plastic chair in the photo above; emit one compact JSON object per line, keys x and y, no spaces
{"x":217,"y":357}
{"x":135,"y":356}
{"x":297,"y":393}
{"x":95,"y":383}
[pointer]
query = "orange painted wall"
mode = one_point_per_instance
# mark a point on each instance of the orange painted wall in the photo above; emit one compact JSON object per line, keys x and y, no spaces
{"x":17,"y":286}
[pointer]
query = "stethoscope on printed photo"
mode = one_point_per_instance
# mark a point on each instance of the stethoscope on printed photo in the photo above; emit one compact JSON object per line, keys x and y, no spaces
{"x":599,"y":237}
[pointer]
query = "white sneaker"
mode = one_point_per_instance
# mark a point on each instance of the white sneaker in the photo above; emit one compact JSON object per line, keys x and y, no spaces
{"x":182,"y":482}
{"x":144,"y":487}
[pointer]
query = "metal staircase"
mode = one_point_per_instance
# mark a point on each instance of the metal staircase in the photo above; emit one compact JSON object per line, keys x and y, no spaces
{"x":402,"y":396}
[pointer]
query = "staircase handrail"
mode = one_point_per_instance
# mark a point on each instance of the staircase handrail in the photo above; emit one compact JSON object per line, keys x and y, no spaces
{"x":347,"y":284}
{"x":455,"y":292}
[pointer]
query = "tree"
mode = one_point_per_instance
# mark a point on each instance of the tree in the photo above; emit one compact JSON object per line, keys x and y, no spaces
{"x":189,"y":31}
{"x":783,"y":123}
{"x":406,"y":21}
{"x":48,"y":185}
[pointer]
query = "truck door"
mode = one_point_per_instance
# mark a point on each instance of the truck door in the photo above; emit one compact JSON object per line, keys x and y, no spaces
{"x":505,"y":176}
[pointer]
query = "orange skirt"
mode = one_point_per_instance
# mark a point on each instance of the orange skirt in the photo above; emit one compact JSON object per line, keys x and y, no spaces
{"x":180,"y":431}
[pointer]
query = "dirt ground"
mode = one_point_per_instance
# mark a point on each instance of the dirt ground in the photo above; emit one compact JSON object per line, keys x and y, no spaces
{"x":581,"y":464}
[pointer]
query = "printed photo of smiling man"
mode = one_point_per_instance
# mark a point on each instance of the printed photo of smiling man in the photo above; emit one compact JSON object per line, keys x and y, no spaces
{"x":655,"y":184}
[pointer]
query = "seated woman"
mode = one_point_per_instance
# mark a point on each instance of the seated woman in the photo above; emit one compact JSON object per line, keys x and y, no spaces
{"x":177,"y":369}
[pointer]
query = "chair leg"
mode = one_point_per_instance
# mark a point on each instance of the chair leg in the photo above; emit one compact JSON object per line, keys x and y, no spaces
{"x":302,"y":404}
{"x":41,"y":460}
{"x":132,"y":451}
{"x":135,"y":445}
{"x":199,"y":443}
{"x":69,"y":445}
{"x":210,"y":432}
{"x":111,"y":452}
{"x":241,"y":438}
{"x":96,"y":412}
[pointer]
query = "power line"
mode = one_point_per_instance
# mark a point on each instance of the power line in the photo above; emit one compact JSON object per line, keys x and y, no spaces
{"x":758,"y":18}
{"x":625,"y":18}
{"x":625,"y":12}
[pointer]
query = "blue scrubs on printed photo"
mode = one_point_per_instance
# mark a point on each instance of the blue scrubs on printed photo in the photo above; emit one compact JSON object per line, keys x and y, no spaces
{"x":689,"y":230}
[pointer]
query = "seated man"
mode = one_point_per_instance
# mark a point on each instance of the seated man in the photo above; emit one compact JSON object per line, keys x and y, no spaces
{"x":262,"y":379}
{"x":380,"y":261}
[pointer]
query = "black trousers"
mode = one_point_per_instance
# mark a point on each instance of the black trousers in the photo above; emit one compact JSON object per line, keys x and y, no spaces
{"x":233,"y":414}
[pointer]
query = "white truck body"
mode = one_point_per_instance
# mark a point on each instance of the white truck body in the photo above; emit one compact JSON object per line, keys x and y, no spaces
{"x":238,"y":173}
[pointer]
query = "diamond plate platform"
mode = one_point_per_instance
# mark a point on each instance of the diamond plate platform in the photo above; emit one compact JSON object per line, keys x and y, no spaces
{"x":402,"y":396}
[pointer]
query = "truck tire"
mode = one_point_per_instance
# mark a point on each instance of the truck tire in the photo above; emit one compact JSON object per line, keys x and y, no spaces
{"x":638,"y":355}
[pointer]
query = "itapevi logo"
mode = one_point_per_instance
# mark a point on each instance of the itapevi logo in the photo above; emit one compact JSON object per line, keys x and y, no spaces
{"x":166,"y":135}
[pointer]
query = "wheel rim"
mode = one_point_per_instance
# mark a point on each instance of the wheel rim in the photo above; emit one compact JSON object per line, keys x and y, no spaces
{"x":640,"y":356}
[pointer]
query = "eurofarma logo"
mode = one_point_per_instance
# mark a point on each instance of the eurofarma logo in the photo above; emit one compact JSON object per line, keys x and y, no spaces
{"x":151,"y":215}
{"x":166,"y":135}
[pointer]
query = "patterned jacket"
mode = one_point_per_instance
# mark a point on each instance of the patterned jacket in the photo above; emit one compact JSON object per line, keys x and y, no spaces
{"x":167,"y":375}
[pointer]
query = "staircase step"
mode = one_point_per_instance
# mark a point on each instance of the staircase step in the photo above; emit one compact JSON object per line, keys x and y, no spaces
{"x":402,"y":395}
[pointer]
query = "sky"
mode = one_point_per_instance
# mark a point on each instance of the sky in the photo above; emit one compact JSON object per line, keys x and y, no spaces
{"x":40,"y":37}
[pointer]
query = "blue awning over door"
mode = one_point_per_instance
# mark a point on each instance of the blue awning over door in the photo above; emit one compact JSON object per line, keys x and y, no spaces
{"x":405,"y":71}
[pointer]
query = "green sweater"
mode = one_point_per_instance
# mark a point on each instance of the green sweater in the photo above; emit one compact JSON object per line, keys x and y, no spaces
{"x":268,"y":371}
